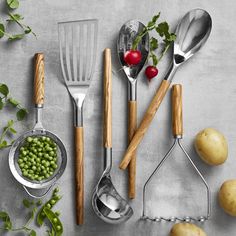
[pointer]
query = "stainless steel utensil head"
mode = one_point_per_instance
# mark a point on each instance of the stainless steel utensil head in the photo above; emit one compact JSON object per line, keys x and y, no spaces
{"x":192,"y":32}
{"x":128,"y":32}
{"x":78,"y":47}
{"x":108,"y":204}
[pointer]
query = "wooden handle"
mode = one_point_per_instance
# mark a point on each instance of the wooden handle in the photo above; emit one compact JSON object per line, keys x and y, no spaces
{"x":79,"y":174}
{"x":147,"y":119}
{"x":107,"y":94}
{"x":132,"y":125}
{"x":39,"y":79}
{"x":177,"y":120}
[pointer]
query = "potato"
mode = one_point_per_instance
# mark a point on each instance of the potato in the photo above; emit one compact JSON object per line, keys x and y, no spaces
{"x":211,"y":146}
{"x":186,"y":229}
{"x":227,"y":197}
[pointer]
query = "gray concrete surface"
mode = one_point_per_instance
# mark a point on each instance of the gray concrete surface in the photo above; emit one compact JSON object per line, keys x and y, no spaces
{"x":209,"y":100}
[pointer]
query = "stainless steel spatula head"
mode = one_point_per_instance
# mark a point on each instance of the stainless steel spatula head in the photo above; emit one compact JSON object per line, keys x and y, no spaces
{"x":78,"y":46}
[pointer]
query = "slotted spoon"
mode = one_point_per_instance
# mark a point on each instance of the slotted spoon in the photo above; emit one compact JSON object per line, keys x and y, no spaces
{"x":78,"y":46}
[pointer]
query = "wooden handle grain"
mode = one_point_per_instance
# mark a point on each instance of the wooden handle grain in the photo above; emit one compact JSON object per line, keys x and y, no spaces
{"x":132,"y":125}
{"x":107,"y":94}
{"x":146,"y":121}
{"x":79,"y":174}
{"x":177,"y":120}
{"x":39,"y":79}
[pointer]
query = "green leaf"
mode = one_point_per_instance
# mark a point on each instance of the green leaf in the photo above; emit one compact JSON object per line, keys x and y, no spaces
{"x":153,"y":44}
{"x":16,"y":37}
{"x":32,"y":233}
{"x":155,"y":18}
{"x":21,"y":114}
{"x":28,"y":30}
{"x":13,"y":102}
{"x":13,"y":131}
{"x":4,"y":217}
{"x":151,"y":24}
{"x":15,"y":17}
{"x":27,"y":203}
{"x":1,"y":104}
{"x":2,"y":30}
{"x":13,"y":4}
{"x":163,"y":29}
{"x":10,"y":123}
{"x":4,"y":89}
{"x":3,"y":144}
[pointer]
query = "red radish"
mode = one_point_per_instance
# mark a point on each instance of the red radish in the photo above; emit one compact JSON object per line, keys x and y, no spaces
{"x":132,"y":57}
{"x":151,"y":72}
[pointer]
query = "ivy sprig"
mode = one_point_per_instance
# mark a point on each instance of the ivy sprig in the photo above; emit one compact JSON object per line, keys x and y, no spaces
{"x":17,"y":19}
{"x":21,"y":112}
{"x":164,"y":40}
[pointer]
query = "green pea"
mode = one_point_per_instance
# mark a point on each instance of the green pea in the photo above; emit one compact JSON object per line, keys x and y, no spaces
{"x":46,"y":155}
{"x":55,"y":166}
{"x":29,"y":139}
{"x":48,"y":205}
{"x":26,"y":166}
{"x":55,"y":220}
{"x":52,"y":202}
{"x":34,"y":168}
{"x":20,"y":160}
{"x":47,"y":176}
{"x":22,"y":165}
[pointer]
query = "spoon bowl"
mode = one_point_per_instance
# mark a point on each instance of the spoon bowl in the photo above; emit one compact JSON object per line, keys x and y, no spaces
{"x":192,"y":33}
{"x":128,"y":32}
{"x":108,"y":204}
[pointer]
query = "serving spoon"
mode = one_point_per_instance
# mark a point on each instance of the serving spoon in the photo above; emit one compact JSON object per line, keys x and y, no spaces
{"x":192,"y":32}
{"x":128,"y":32}
{"x":106,"y":201}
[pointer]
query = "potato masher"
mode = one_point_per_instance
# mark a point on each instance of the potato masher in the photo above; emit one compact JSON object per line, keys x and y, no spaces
{"x":37,"y":131}
{"x":177,"y":129}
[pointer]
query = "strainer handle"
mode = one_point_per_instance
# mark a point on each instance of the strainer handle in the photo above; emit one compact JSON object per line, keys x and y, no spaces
{"x":37,"y":196}
{"x":39,"y":80}
{"x":177,"y":119}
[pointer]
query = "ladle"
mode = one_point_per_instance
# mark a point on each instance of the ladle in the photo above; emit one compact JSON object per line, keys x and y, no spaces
{"x":106,"y":201}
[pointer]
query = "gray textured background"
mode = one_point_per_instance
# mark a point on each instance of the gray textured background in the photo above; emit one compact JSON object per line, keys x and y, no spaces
{"x":209,"y":100}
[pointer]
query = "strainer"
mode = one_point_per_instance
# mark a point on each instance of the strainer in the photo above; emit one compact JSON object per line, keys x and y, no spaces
{"x":37,"y":131}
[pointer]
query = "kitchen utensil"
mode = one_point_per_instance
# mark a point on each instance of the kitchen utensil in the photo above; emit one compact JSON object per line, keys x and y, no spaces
{"x":127,"y":35}
{"x":106,"y":201}
{"x":192,"y":33}
{"x":177,"y":129}
{"x":78,"y":46}
{"x":37,"y":131}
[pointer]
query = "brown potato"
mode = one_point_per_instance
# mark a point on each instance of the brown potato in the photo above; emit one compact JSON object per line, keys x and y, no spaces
{"x":186,"y":229}
{"x":211,"y":146}
{"x":227,"y":197}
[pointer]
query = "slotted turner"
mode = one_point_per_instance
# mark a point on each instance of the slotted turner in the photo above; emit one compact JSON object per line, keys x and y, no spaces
{"x":78,"y":46}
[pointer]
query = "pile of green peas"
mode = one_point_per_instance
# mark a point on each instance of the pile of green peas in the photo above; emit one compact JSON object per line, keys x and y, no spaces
{"x":38,"y":158}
